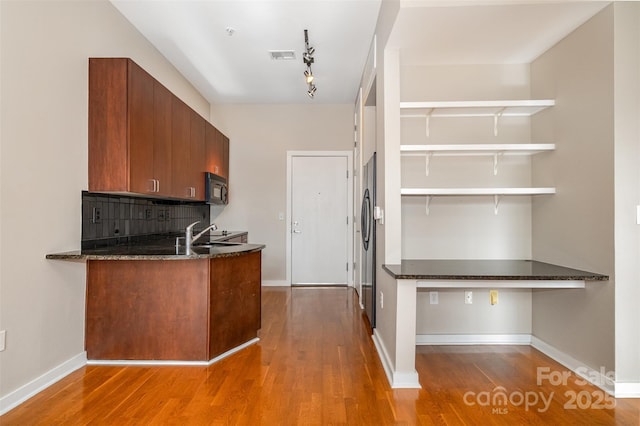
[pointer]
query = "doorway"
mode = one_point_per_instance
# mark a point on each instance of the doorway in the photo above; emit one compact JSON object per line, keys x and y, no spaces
{"x":319,"y":202}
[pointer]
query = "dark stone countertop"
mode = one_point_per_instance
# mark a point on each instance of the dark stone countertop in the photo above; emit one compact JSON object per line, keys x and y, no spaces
{"x":459,"y":269}
{"x":159,"y":250}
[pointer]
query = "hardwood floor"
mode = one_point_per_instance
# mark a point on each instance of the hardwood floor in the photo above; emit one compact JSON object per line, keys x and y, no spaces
{"x":316,"y":365}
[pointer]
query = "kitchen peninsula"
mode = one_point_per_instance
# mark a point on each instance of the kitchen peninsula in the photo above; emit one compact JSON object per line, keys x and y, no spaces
{"x":152,"y":302}
{"x":149,"y":297}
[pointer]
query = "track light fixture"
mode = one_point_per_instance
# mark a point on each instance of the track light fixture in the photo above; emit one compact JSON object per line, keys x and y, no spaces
{"x":308,"y":75}
{"x":307,"y":58}
{"x":312,"y":90}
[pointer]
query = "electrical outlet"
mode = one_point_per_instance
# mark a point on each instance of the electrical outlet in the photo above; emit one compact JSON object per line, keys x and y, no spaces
{"x":468,"y":297}
{"x":433,"y":297}
{"x":96,"y":215}
{"x":493,"y":297}
{"x":3,"y":337}
{"x":381,"y":300}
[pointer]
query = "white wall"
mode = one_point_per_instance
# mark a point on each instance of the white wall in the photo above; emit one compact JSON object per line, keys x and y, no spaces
{"x":627,"y":190}
{"x":388,"y":178}
{"x":45,"y":46}
{"x":260,"y":137}
{"x":575,"y":228}
{"x":512,"y":315}
{"x":467,"y":227}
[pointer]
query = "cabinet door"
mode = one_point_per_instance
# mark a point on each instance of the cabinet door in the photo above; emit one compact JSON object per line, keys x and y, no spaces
{"x":108,"y":133}
{"x":162,"y":104}
{"x":140,"y":117}
{"x":235,"y":301}
{"x":197,"y":162}
{"x":224,"y":172}
{"x":214,"y":149}
{"x":180,"y":149}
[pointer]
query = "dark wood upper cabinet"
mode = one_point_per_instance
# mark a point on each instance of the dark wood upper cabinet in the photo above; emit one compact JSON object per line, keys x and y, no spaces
{"x":180,"y":152}
{"x":198,"y":159}
{"x":145,"y":140}
{"x":162,"y":146}
{"x":188,"y":152}
{"x":127,"y":129}
{"x":108,"y":125}
{"x":141,"y":140}
{"x":213,"y":149}
{"x":217,"y":152}
{"x":224,"y":172}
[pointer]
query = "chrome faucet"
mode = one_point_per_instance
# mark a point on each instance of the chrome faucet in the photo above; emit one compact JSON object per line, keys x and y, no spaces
{"x":189,"y":238}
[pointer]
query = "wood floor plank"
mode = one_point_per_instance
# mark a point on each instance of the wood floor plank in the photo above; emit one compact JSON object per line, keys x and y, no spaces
{"x":316,"y":364}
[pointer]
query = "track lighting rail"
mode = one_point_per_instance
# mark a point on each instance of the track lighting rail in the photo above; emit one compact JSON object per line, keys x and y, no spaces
{"x":307,"y":58}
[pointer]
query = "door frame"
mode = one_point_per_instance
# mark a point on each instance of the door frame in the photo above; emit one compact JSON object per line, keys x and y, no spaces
{"x":349,"y":157}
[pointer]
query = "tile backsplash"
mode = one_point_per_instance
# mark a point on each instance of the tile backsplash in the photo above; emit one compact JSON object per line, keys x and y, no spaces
{"x":117,"y":219}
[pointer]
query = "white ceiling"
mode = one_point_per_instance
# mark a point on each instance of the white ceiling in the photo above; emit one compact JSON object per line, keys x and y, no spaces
{"x":485,"y":32}
{"x":238,"y":69}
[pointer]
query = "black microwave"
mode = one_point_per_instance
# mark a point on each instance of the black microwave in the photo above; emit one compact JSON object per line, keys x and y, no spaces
{"x":215,"y":189}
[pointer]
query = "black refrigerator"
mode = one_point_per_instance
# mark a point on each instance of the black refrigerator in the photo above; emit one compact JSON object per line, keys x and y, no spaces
{"x":368,"y":232}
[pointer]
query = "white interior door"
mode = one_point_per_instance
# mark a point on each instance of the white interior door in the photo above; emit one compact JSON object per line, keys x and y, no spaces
{"x":319,"y":220}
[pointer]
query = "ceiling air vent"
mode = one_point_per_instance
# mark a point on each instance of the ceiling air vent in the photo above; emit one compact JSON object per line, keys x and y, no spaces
{"x":282,"y":55}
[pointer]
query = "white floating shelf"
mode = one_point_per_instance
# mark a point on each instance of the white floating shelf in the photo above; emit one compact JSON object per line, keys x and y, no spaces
{"x":429,"y":193}
{"x":476,"y":191}
{"x":477,"y":149}
{"x":495,"y":150}
{"x":508,"y":108}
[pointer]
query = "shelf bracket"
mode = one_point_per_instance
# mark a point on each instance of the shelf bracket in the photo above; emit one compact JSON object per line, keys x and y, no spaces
{"x":496,"y":157}
{"x":426,"y":210}
{"x":496,"y":203}
{"x":427,"y":162}
{"x":496,"y":117}
{"x":428,"y":123}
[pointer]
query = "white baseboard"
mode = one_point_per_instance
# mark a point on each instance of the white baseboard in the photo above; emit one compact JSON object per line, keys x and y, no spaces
{"x":397,"y":380}
{"x":597,"y":378}
{"x":473,"y":339}
{"x":627,"y":390}
{"x":152,"y":362}
{"x":20,"y":395}
{"x":384,"y":357}
{"x":144,"y":362}
{"x":234,"y":350}
{"x":275,"y":283}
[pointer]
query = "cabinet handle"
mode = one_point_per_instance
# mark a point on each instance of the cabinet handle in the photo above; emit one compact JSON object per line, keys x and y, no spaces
{"x":156,"y":185}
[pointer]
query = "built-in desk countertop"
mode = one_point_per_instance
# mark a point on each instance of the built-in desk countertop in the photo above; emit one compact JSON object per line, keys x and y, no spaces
{"x":413,"y":275}
{"x":452,"y":273}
